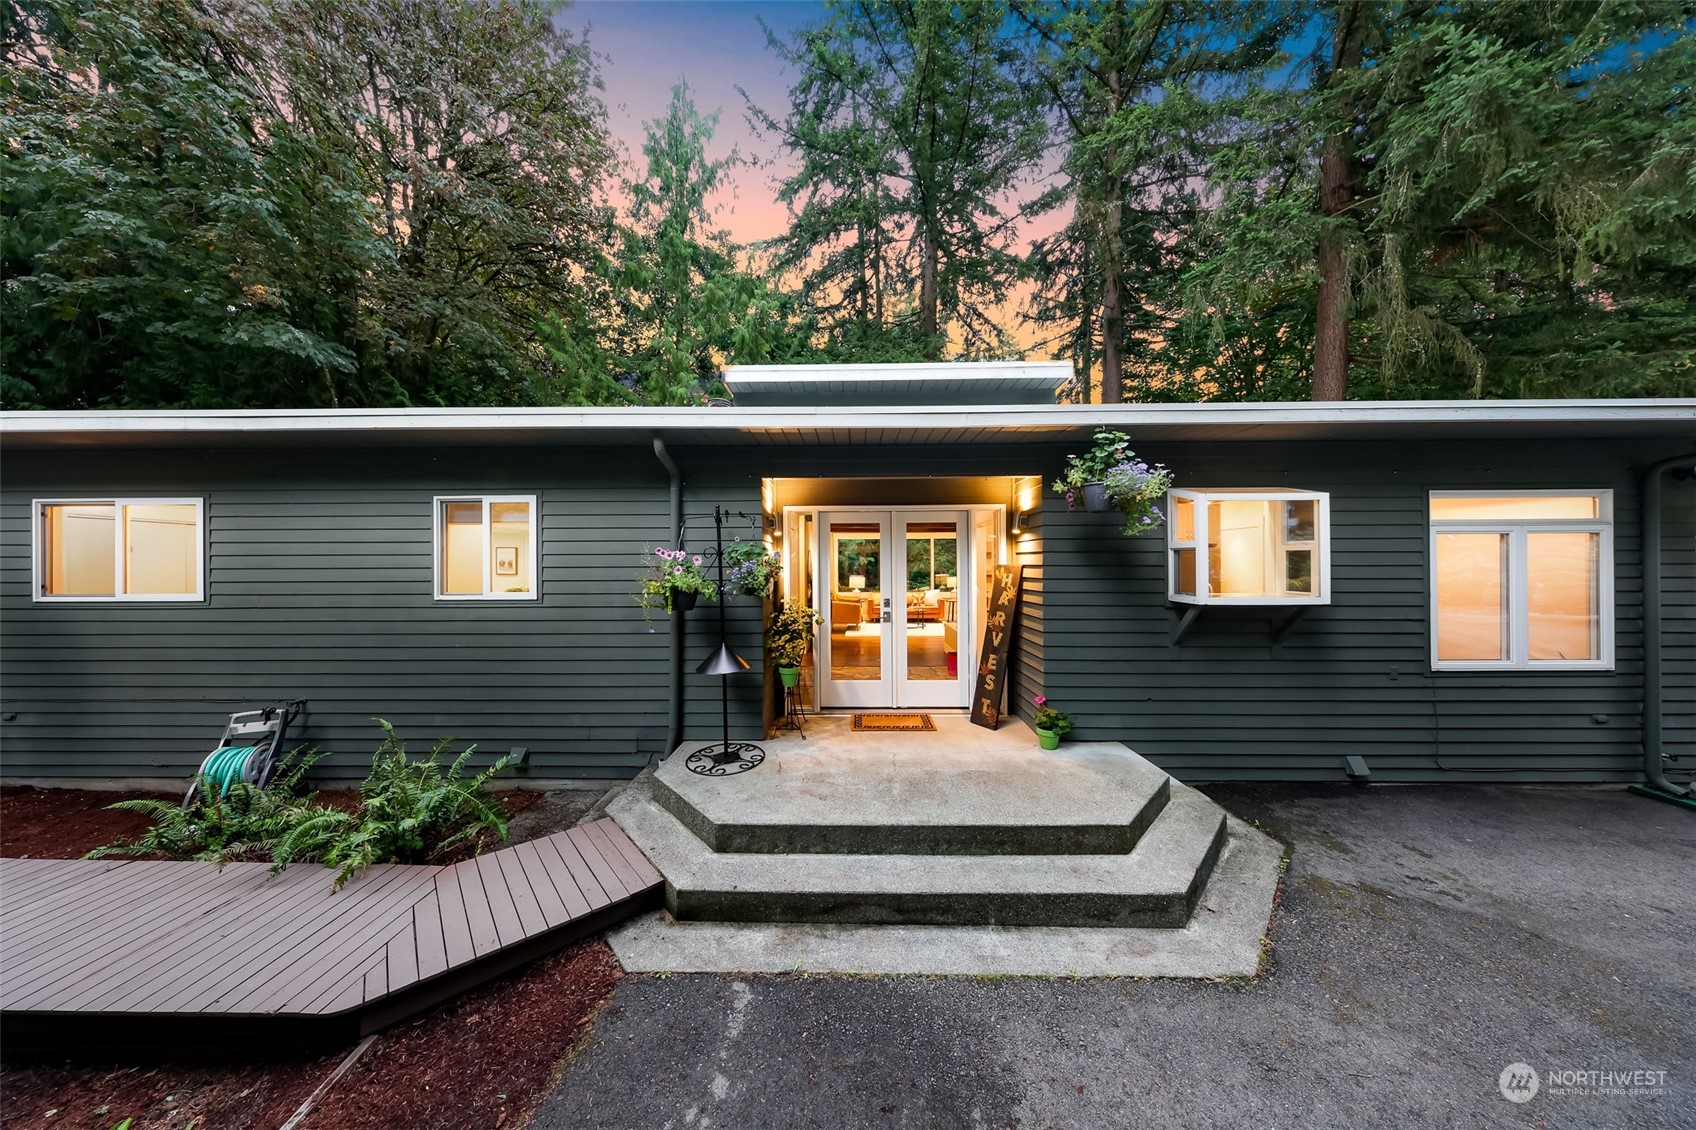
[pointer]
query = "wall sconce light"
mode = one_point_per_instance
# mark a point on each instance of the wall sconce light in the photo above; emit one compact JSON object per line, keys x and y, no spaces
{"x":1018,"y":522}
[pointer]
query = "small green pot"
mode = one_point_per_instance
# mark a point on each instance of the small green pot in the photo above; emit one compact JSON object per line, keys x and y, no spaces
{"x":791,"y":676}
{"x":1048,"y":739}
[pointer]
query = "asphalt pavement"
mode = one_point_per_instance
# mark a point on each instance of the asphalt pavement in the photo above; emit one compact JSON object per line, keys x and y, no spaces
{"x":1429,"y":939}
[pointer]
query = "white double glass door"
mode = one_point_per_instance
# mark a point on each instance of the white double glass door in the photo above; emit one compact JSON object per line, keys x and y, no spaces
{"x":894,"y":588}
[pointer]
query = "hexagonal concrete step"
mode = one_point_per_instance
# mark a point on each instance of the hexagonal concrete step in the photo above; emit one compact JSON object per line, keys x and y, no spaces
{"x":1156,"y":884}
{"x":954,"y":798}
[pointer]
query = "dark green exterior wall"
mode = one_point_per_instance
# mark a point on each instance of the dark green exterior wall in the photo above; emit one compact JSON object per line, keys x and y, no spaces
{"x":319,"y":586}
{"x":1353,"y":677}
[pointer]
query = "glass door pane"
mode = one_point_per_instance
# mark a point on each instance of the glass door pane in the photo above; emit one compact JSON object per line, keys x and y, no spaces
{"x":935,"y":624}
{"x":933,"y":562}
{"x":855,"y":578}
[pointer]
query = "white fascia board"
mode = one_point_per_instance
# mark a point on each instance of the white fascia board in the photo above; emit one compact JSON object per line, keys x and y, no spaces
{"x":98,"y":426}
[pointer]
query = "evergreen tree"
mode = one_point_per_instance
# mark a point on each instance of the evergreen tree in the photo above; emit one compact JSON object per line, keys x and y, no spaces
{"x":1474,"y":200}
{"x":913,"y":135}
{"x":1136,"y":90}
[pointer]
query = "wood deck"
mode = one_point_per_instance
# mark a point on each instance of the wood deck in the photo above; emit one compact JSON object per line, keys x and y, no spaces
{"x":109,"y":946}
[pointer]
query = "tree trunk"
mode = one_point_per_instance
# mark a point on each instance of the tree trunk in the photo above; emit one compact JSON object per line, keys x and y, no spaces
{"x":1112,"y":307}
{"x":1336,"y":195}
{"x":929,"y":323}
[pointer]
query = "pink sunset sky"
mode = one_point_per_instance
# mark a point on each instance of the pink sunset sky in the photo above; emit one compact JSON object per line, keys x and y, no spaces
{"x":647,"y":46}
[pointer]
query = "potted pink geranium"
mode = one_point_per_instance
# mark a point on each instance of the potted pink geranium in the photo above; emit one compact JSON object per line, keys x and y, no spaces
{"x":1051,"y":724}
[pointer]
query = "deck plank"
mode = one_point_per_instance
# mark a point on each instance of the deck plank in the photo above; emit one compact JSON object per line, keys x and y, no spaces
{"x":503,"y":908}
{"x":605,"y":874}
{"x":485,"y":939}
{"x":530,"y":919}
{"x":542,"y":889}
{"x":427,"y":934}
{"x":646,"y":873}
{"x":597,"y":834}
{"x":401,"y":951}
{"x":571,"y":895}
{"x":456,"y":924}
{"x":134,"y":943}
{"x":579,"y":870}
{"x":266,"y":930}
{"x":269,"y":934}
{"x":348,"y":938}
{"x":62,"y":910}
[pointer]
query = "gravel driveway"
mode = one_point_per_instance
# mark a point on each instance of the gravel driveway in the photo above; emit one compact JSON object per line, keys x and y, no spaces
{"x":1429,"y":937}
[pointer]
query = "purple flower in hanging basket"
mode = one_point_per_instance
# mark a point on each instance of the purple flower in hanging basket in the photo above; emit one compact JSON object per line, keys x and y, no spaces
{"x":697,"y":559}
{"x":678,"y":569}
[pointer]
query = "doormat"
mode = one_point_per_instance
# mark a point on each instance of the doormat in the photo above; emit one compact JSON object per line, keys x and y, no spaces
{"x":893,"y":722}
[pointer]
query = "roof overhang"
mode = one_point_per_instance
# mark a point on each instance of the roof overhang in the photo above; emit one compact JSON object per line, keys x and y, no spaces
{"x":939,"y":425}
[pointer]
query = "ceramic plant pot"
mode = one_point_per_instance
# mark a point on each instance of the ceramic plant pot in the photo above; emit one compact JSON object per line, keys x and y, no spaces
{"x":1095,"y":497}
{"x":791,"y":676}
{"x":1048,"y":739}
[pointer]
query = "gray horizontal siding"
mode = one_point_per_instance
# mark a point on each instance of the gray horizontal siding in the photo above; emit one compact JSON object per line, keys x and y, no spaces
{"x":1352,"y":677}
{"x":319,"y":586}
{"x":1029,"y":656}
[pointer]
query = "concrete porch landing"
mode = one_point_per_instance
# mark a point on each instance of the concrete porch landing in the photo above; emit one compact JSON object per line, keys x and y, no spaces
{"x":956,"y":851}
{"x":960,"y":790}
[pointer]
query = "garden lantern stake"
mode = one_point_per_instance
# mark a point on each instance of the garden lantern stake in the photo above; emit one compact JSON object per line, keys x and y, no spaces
{"x":726,"y":757}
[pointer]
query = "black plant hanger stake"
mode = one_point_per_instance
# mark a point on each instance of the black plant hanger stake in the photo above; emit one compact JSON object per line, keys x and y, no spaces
{"x":721,"y":759}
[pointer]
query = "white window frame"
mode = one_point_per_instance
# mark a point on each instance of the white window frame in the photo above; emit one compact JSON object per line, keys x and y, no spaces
{"x":1518,"y":607}
{"x":1199,"y":499}
{"x":38,"y":543}
{"x":438,"y":517}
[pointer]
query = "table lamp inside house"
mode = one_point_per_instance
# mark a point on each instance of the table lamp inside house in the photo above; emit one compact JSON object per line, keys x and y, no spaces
{"x":857,"y":581}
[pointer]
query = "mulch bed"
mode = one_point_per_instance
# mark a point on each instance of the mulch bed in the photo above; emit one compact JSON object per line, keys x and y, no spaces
{"x":65,"y":823}
{"x":68,"y":823}
{"x":484,"y":1059}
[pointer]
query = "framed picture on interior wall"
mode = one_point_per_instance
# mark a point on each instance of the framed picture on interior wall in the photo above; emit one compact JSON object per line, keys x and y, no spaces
{"x":506,"y":560}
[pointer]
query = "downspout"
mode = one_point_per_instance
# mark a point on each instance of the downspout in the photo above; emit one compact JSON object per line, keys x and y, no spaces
{"x":674,"y":721}
{"x":1653,"y":721}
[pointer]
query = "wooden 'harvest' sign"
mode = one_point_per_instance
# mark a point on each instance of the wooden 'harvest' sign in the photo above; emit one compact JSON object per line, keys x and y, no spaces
{"x":997,"y":638}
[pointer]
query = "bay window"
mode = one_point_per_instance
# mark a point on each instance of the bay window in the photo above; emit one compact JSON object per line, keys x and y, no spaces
{"x":1249,"y":547}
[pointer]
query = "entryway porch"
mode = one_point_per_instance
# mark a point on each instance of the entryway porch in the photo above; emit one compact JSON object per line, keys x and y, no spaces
{"x":957,"y":850}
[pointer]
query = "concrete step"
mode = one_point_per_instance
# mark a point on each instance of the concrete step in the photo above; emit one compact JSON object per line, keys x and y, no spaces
{"x":1155,"y":884}
{"x":1089,"y":798}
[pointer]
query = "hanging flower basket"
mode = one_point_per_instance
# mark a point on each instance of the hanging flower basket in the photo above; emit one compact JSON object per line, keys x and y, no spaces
{"x":673,"y":581}
{"x":750,"y":568}
{"x":1111,"y":477}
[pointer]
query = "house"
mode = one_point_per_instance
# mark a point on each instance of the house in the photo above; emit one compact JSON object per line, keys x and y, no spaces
{"x":1412,"y":591}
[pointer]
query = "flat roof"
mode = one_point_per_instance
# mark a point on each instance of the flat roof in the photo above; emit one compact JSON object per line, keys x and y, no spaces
{"x":896,"y":385}
{"x":942,"y":425}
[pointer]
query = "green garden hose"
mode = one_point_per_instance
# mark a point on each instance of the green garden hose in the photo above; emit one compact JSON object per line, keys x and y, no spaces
{"x":227,"y":765}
